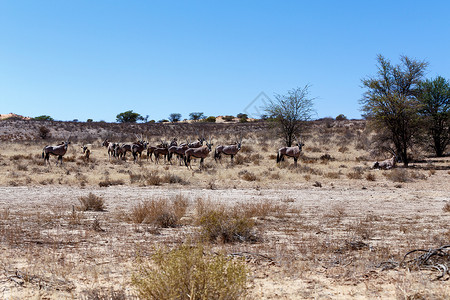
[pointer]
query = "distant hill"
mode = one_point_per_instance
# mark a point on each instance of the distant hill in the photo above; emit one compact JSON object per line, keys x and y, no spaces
{"x":13,"y":116}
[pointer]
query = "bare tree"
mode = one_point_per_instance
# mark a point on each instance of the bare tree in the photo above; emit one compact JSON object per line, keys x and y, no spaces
{"x":290,"y":112}
{"x":391,"y":106}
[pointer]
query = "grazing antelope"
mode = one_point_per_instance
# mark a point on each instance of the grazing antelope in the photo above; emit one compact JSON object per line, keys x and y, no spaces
{"x":111,"y":148}
{"x":178,"y":150}
{"x":231,"y":150}
{"x":58,"y":150}
{"x":291,"y":152}
{"x":160,"y":151}
{"x":151,"y":149}
{"x":200,"y":152}
{"x":386,"y":164}
{"x":86,"y":153}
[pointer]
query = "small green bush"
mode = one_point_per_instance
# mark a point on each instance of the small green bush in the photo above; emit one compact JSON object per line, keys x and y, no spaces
{"x":186,"y":273}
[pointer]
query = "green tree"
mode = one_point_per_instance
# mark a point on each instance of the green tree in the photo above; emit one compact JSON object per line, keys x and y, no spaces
{"x":196,"y":116}
{"x":434,"y":95}
{"x":210,"y":119}
{"x":341,"y":117}
{"x":390,"y":103}
{"x":44,"y":118}
{"x":290,"y":112}
{"x":175,"y":117}
{"x":129,"y":117}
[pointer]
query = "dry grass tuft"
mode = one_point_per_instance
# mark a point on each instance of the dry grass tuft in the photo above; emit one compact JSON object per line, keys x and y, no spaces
{"x":92,"y":202}
{"x":446,"y":207}
{"x":161,"y":212}
{"x":398,"y":175}
{"x":187,"y":273}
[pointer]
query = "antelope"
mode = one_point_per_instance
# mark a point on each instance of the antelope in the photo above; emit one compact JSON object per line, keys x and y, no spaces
{"x":231,"y":150}
{"x":199,"y":152}
{"x":178,"y":150}
{"x":291,"y":152}
{"x":111,"y":148}
{"x":197,"y":143}
{"x":386,"y":164}
{"x":58,"y":150}
{"x":151,"y":149}
{"x":137,"y":148}
{"x":86,"y":153}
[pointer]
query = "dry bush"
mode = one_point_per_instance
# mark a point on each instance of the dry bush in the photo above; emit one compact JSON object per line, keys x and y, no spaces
{"x":187,"y":273}
{"x":357,"y":173}
{"x":92,"y":202}
{"x":398,"y":175}
{"x":247,"y":149}
{"x":161,"y":212}
{"x":446,"y":207}
{"x":418,"y":175}
{"x":370,"y":177}
{"x":101,"y":294}
{"x":109,"y":182}
{"x":247,"y":175}
{"x":224,"y":224}
{"x":333,"y":175}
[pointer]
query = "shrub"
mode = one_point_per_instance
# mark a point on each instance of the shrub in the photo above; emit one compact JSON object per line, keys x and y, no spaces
{"x":92,"y":202}
{"x":161,"y":212}
{"x":186,"y":273}
{"x":248,"y":176}
{"x":228,"y":118}
{"x":210,"y":119}
{"x":44,"y":132}
{"x":446,"y":207}
{"x":224,"y":224}
{"x":398,"y":175}
{"x":108,"y":182}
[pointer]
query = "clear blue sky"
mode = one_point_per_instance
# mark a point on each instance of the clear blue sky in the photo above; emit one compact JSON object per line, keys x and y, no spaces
{"x":95,"y":59}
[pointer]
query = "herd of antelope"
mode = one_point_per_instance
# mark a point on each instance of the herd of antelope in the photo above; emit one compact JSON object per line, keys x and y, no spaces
{"x":184,"y":152}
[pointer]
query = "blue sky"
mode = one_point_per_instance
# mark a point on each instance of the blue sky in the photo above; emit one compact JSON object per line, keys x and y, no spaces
{"x":95,"y":59}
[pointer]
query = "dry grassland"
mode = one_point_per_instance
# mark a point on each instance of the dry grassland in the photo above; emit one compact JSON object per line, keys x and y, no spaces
{"x":332,"y":228}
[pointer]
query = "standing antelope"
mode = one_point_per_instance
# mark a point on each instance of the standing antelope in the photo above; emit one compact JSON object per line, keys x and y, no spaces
{"x":137,"y":148}
{"x":200,"y":152}
{"x":111,"y":148}
{"x":58,"y":150}
{"x":86,"y":153}
{"x":151,"y":149}
{"x":291,"y":152}
{"x":197,"y":143}
{"x":178,"y":150}
{"x":231,"y":150}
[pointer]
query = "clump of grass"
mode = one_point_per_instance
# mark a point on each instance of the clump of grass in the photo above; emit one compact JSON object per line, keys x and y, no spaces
{"x":161,"y":212}
{"x":446,"y":207}
{"x":370,"y":177}
{"x":398,"y":175}
{"x":92,"y":202}
{"x":248,"y":176}
{"x":109,"y":182}
{"x":224,"y":224}
{"x":357,"y":173}
{"x":187,"y":273}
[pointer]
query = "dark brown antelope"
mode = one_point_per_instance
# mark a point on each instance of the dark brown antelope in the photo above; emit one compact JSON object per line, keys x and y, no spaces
{"x":58,"y":150}
{"x":164,"y":150}
{"x":178,"y":150}
{"x":137,"y":148}
{"x":111,"y":148}
{"x":151,"y":149}
{"x":197,"y":143}
{"x":86,"y":153}
{"x":200,"y":152}
{"x":291,"y":152}
{"x":231,"y":150}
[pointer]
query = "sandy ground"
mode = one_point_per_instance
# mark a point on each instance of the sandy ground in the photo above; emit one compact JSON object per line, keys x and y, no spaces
{"x":113,"y":251}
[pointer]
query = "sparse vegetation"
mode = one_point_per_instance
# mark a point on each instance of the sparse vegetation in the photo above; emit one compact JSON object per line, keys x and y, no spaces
{"x":188,"y":273}
{"x":92,"y":202}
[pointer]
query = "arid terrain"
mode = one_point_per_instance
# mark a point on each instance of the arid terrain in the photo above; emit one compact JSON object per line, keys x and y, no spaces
{"x":330,"y":228}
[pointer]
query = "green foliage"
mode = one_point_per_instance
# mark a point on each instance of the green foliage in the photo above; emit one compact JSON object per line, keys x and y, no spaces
{"x":210,"y":119}
{"x":187,"y":273}
{"x":196,"y":116}
{"x":290,"y":111}
{"x":89,"y":120}
{"x":341,"y":117}
{"x":43,"y":118}
{"x":228,"y":118}
{"x":175,"y":117}
{"x":434,"y":96}
{"x":129,"y":117}
{"x":390,"y":103}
